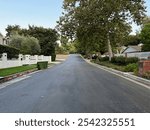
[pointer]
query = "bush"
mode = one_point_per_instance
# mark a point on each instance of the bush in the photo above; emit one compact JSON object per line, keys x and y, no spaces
{"x":104,"y":58}
{"x":123,"y":60}
{"x":130,"y":60}
{"x":120,"y":60}
{"x":147,"y":75}
{"x":113,"y":59}
{"x":131,"y":67}
{"x":42,"y":65}
{"x":11,"y":51}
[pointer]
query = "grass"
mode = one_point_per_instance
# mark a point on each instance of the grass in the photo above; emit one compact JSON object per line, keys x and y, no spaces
{"x":111,"y":65}
{"x":14,"y":70}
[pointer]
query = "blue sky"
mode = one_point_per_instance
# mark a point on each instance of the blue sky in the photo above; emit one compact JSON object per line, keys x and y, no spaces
{"x":23,"y":12}
{"x":34,"y":12}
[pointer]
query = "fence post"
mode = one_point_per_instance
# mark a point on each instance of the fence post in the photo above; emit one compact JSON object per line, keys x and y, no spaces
{"x":4,"y":57}
{"x":27,"y":59}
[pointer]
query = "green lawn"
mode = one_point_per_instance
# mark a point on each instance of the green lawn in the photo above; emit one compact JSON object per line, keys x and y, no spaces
{"x":14,"y":70}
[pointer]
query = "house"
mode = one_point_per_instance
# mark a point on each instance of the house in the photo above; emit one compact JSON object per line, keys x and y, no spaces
{"x":132,"y":49}
{"x":4,"y":40}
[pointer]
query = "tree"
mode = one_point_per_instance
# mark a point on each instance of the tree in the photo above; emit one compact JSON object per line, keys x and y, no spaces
{"x":145,"y":37}
{"x":132,"y":40}
{"x":97,"y":22}
{"x":26,"y":45}
{"x":47,"y":37}
{"x":12,"y":29}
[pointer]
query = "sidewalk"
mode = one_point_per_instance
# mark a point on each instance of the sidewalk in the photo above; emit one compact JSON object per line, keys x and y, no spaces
{"x":126,"y":75}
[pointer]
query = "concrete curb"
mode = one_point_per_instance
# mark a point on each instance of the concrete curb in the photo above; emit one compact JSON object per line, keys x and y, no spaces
{"x":13,"y":76}
{"x":128,"y":76}
{"x":124,"y":74}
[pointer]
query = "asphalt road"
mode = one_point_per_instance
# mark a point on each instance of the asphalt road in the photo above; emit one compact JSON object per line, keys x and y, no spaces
{"x":74,"y":86}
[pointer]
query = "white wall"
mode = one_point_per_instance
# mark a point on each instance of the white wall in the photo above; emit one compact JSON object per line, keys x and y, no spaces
{"x":22,"y":60}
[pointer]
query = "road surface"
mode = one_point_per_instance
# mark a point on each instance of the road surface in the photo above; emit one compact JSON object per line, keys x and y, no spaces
{"x":74,"y":86}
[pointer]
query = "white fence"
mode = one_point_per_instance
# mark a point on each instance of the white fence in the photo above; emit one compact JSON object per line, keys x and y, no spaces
{"x":140,"y":55}
{"x":22,"y":60}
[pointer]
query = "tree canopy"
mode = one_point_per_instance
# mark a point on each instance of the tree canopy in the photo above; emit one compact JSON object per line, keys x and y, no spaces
{"x":47,"y":37}
{"x":99,"y":24}
{"x":26,"y":45}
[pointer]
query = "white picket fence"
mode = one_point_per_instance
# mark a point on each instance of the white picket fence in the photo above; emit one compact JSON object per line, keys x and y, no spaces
{"x":22,"y":60}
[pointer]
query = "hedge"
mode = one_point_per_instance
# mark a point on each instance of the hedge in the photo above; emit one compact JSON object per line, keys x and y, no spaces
{"x":104,"y":58}
{"x":11,"y":51}
{"x":53,"y":57}
{"x":123,"y":60}
{"x":42,"y":65}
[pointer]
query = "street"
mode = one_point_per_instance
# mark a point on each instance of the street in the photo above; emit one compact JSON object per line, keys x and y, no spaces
{"x":74,"y":87}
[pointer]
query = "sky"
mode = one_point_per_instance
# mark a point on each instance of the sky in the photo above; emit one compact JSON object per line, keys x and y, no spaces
{"x":35,"y":12}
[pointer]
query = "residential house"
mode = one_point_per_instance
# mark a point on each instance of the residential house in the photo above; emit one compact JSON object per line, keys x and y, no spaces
{"x":132,"y":49}
{"x":4,"y":40}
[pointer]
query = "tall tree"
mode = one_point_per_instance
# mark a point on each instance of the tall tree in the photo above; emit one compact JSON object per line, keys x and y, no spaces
{"x":97,"y":22}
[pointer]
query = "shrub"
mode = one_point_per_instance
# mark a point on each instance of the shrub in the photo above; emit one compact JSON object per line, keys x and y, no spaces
{"x":131,"y":67}
{"x":147,"y":75}
{"x":123,"y":60}
{"x":42,"y":65}
{"x":11,"y":51}
{"x":120,"y":60}
{"x":104,"y":58}
{"x":113,"y":59}
{"x":130,"y":60}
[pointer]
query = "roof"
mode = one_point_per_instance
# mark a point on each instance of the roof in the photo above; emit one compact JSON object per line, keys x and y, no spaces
{"x":138,"y":48}
{"x":131,"y":49}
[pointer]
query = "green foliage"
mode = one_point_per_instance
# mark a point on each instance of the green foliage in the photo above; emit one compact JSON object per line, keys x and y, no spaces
{"x":15,"y":70}
{"x":131,"y":67}
{"x":123,"y":60}
{"x":42,"y":65}
{"x":47,"y":38}
{"x":11,"y":51}
{"x":95,"y":24}
{"x":146,"y":47}
{"x":131,"y":60}
{"x":132,"y":40}
{"x":12,"y":29}
{"x":104,"y":58}
{"x":27,"y":45}
{"x":120,"y":60}
{"x":145,"y":37}
{"x":53,"y":56}
{"x":147,"y":75}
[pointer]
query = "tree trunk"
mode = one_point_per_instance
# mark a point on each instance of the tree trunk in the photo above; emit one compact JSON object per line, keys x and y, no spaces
{"x":109,"y":47}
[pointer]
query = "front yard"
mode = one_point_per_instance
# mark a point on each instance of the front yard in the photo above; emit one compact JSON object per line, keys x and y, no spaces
{"x":14,"y":70}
